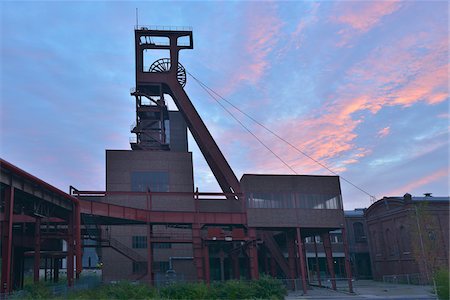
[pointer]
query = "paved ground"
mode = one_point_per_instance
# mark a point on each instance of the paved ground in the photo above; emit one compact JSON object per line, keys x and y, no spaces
{"x":368,"y":289}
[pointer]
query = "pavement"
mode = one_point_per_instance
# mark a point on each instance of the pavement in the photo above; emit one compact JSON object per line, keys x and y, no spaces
{"x":367,"y":289}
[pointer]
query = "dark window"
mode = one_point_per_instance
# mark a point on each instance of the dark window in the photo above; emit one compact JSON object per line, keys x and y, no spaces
{"x":153,"y":181}
{"x":162,"y":245}
{"x":358,"y":230}
{"x":139,"y":267}
{"x":160,"y":266}
{"x":139,"y":242}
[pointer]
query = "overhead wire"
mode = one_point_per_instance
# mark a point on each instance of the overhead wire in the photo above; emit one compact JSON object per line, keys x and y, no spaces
{"x":243,"y":125}
{"x":213,"y":94}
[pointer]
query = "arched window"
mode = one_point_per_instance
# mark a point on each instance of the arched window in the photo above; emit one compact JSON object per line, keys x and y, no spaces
{"x":404,"y":240}
{"x":388,"y":242}
{"x":358,"y":231}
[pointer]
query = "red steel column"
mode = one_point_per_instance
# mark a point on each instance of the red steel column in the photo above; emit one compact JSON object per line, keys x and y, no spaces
{"x":6,"y":284}
{"x":77,"y":234}
{"x":348,"y":269}
{"x":273,"y":267}
{"x":317,"y":262}
{"x":301,"y":257}
{"x":206,"y":263}
{"x":291,"y":258}
{"x":149,"y":242}
{"x":253,"y":254}
{"x":236,"y":267}
{"x":149,"y":255}
{"x":329,"y":255}
{"x":198,"y":251}
{"x":37,"y":249}
{"x":70,"y":251}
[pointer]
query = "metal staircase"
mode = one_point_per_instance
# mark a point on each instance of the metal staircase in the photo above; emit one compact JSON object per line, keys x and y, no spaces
{"x":275,"y":252}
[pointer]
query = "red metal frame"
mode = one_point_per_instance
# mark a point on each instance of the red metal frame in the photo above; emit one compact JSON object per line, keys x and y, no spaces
{"x":301,"y":257}
{"x":6,"y":283}
{"x":8,"y":218}
{"x":329,"y":256}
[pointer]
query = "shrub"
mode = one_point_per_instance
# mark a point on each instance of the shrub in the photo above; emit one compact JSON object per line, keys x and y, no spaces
{"x":268,"y":288}
{"x":36,"y":291}
{"x":231,"y":289}
{"x":185,"y":291}
{"x":442,"y":283}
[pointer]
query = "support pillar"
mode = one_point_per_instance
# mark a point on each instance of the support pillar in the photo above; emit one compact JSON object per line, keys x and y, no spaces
{"x":206,"y":263}
{"x":222,"y":265}
{"x":253,"y":254}
{"x":317,"y":263}
{"x":302,"y":260}
{"x":348,"y":268}
{"x":198,"y":252}
{"x":55,"y":269}
{"x":45,"y":269}
{"x":70,"y":251}
{"x":273,"y":267}
{"x":329,"y":255}
{"x":6,"y":231}
{"x":77,"y":236}
{"x":291,"y":258}
{"x":37,"y":249}
{"x":236,"y":267}
{"x":149,"y":255}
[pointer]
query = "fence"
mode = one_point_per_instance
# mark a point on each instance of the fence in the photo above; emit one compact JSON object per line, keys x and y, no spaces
{"x":415,"y":279}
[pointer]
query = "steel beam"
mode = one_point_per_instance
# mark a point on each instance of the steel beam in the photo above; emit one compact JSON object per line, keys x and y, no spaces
{"x":206,"y":263}
{"x":161,"y":217}
{"x":253,"y":254}
{"x":329,"y":255}
{"x":6,"y":283}
{"x":317,"y":262}
{"x":348,"y":268}
{"x":301,"y":258}
{"x":37,"y":249}
{"x":70,"y":246}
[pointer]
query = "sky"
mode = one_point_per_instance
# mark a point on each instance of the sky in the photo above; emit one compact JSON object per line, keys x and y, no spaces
{"x":362,"y":87}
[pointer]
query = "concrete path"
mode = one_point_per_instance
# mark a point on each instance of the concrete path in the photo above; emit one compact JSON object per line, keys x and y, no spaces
{"x":369,"y":289}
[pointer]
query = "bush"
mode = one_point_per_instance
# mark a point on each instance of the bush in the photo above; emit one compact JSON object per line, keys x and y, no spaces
{"x":36,"y":291}
{"x":442,"y":283}
{"x":268,"y":288}
{"x":231,"y":289}
{"x":185,"y":291}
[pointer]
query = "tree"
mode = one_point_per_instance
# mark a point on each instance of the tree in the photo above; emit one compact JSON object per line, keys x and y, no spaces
{"x":426,"y":241}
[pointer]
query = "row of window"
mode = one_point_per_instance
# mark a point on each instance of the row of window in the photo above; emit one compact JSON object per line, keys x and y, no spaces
{"x":153,"y":181}
{"x":140,"y":242}
{"x":140,"y":267}
{"x":293,"y":200}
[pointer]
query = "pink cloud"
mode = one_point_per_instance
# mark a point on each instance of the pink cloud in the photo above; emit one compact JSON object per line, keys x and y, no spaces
{"x":384,"y":132}
{"x":418,"y":183}
{"x":360,"y":17}
{"x":395,"y":75}
{"x":262,"y":31}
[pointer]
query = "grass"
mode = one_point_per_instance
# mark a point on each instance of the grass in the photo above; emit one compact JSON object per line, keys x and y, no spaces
{"x":442,"y":283}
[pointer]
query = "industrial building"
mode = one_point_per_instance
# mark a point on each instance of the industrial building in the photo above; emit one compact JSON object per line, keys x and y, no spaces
{"x":152,"y":225}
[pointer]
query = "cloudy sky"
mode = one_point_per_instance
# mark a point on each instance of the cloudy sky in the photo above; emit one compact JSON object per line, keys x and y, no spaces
{"x":361,"y":87}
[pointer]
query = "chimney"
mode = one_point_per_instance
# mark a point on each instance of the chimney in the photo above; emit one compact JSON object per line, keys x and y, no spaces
{"x":407,"y":198}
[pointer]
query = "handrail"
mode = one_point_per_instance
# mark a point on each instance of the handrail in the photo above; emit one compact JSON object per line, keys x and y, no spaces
{"x":163,"y":27}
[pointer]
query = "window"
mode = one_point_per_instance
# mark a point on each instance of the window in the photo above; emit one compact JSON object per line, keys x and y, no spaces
{"x":293,"y":200}
{"x":358,"y":231}
{"x":139,"y":267}
{"x":153,"y":181}
{"x":139,"y":242}
{"x":160,"y":266}
{"x":162,"y":245}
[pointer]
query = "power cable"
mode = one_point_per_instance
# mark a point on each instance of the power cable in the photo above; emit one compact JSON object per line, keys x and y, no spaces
{"x":211,"y":91}
{"x":245,"y":127}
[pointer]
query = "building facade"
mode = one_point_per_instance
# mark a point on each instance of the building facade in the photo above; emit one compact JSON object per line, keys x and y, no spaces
{"x":408,"y":237}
